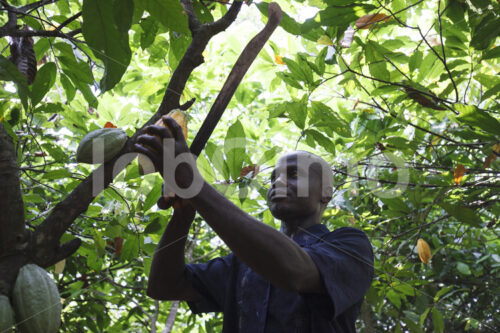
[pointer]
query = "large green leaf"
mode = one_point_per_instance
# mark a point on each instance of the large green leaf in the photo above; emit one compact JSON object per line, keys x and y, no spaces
{"x":44,"y":80}
{"x":297,"y":112}
{"x":234,"y":148}
{"x":462,"y":214}
{"x":472,"y":115}
{"x":437,"y":320}
{"x":342,"y":16}
{"x":486,"y":32}
{"x":108,"y":42}
{"x":323,"y":116}
{"x":169,"y":12}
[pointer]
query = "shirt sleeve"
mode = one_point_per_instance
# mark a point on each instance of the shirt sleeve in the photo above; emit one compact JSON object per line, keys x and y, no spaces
{"x":344,"y":259}
{"x":210,"y":280}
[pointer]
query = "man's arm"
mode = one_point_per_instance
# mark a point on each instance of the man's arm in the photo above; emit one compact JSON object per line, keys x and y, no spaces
{"x":270,"y":253}
{"x":166,"y":278}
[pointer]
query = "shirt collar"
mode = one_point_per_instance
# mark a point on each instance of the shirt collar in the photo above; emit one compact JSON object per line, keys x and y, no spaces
{"x":310,"y":235}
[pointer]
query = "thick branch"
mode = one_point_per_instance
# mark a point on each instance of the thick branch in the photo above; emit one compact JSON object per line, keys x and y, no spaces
{"x":193,"y":57}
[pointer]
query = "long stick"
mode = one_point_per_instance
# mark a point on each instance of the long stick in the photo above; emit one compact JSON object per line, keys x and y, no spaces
{"x":239,"y":70}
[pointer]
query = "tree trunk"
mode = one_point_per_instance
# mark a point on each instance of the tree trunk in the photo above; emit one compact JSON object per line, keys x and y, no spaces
{"x":14,"y":239}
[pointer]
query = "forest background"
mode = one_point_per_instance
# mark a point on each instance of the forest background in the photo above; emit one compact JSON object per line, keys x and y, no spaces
{"x":401,"y":98}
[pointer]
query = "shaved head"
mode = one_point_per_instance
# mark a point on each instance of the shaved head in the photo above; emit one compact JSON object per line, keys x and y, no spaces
{"x":314,"y":165}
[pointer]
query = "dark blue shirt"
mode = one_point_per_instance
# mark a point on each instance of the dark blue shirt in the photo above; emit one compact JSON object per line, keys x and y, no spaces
{"x":251,"y":304}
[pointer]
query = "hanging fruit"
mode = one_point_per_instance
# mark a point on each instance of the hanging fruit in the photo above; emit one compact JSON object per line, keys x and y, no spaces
{"x":424,"y":251}
{"x":6,"y":315}
{"x":180,"y":118}
{"x":36,"y":300}
{"x":111,"y":139}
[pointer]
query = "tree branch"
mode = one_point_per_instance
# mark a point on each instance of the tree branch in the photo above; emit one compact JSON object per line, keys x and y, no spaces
{"x":14,"y":32}
{"x":69,"y":20}
{"x":193,"y":56}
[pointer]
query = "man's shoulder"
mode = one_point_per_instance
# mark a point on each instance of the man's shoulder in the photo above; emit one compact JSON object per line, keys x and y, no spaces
{"x":346,"y":232}
{"x":348,"y":238}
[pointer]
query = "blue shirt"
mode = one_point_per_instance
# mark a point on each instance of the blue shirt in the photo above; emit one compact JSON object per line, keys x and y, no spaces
{"x":251,"y":304}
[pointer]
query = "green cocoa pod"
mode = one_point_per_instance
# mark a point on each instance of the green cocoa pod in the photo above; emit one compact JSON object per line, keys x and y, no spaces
{"x":36,"y":300}
{"x":106,"y":142}
{"x":6,"y":315}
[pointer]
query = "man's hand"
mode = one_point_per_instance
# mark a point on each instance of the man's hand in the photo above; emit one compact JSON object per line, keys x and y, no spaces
{"x":152,"y":145}
{"x":164,"y":146}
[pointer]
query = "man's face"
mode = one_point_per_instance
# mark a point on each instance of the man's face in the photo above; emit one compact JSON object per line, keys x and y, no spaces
{"x":296,"y":189}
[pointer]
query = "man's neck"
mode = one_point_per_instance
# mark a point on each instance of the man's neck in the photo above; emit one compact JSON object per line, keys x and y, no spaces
{"x":294,"y":226}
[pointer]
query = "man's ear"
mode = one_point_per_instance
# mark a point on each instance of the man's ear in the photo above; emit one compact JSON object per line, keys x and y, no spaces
{"x":327,"y":195}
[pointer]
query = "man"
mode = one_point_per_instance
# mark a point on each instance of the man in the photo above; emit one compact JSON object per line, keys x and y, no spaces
{"x":302,"y":279}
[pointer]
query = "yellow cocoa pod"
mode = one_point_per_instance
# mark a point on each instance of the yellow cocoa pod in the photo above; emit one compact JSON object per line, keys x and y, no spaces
{"x":424,"y":251}
{"x":180,"y":118}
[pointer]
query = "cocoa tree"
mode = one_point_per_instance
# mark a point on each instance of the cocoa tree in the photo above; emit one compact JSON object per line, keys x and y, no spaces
{"x":401,"y":97}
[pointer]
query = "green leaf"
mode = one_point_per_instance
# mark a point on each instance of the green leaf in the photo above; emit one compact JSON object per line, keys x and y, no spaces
{"x":169,"y":12}
{"x":234,"y":148}
{"x":376,"y":62}
{"x":108,"y":42}
{"x":298,"y":72}
{"x":130,"y":248}
{"x":486,"y":32}
{"x":9,"y":72}
{"x":153,"y":227}
{"x":99,"y":243}
{"x":153,"y":195}
{"x":268,"y":155}
{"x":297,"y":111}
{"x":149,"y":30}
{"x":437,"y":320}
{"x":342,"y":16}
{"x":76,"y":70}
{"x":320,"y":60}
{"x":216,"y":156}
{"x":415,"y":60}
{"x":463,"y":268}
{"x":57,"y":174}
{"x":68,"y":87}
{"x":56,"y":152}
{"x":289,"y":80}
{"x":322,"y":140}
{"x":462,"y":214}
{"x":206,"y":170}
{"x":178,"y":46}
{"x":40,"y":47}
{"x":323,"y":116}
{"x":491,"y":54}
{"x":123,"y":11}
{"x":472,"y":115}
{"x":394,"y":298}
{"x":491,"y":92}
{"x":44,"y":80}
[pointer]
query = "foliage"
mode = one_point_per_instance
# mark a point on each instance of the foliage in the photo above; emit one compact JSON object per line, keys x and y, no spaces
{"x":401,"y":97}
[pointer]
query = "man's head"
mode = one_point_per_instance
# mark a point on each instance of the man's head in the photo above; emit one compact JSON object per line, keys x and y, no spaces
{"x":301,"y":186}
